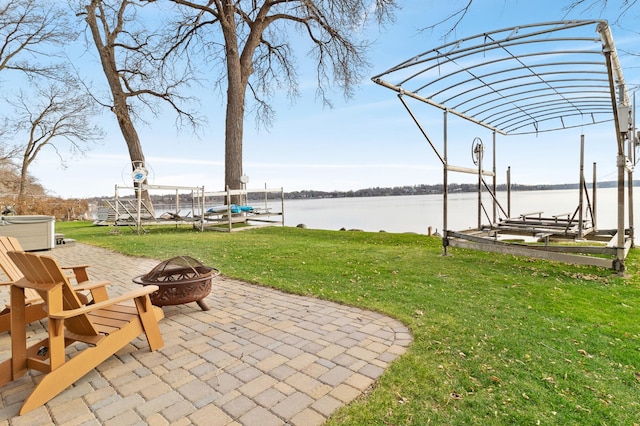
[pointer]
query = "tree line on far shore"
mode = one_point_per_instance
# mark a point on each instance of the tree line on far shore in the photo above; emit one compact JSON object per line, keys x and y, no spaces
{"x":376,"y":192}
{"x":433,"y":189}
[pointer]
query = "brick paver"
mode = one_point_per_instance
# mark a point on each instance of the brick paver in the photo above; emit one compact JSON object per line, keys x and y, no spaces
{"x":258,"y":356}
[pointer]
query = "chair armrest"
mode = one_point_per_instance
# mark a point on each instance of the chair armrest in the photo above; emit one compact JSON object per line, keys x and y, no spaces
{"x":97,"y":288}
{"x":79,"y":271}
{"x":90,"y":285}
{"x":144,"y":291}
{"x":75,"y":267}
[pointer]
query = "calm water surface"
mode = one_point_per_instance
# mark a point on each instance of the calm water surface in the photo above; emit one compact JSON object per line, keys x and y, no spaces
{"x":416,"y":213}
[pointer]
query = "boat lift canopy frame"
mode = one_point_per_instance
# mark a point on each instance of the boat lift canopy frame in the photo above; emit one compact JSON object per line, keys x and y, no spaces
{"x":526,"y":79}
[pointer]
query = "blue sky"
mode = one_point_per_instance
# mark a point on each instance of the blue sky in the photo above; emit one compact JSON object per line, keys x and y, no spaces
{"x":367,"y":141}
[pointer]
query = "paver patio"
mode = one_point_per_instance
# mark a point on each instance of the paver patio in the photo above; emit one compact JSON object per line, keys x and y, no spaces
{"x":258,"y":356}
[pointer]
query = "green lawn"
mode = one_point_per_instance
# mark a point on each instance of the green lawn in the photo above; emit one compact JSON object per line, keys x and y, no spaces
{"x":497,"y":339}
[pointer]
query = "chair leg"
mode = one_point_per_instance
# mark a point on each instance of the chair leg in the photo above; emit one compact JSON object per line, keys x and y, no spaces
{"x":64,"y":376}
{"x":149,"y":317}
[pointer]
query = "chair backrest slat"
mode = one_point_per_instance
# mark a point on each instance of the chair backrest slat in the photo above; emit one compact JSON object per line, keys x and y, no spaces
{"x":44,"y":272}
{"x":70,"y":297}
{"x":8,"y":244}
{"x":31,"y":268}
{"x":10,"y":269}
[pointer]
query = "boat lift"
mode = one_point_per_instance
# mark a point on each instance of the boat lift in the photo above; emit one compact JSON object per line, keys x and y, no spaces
{"x":529,"y":79}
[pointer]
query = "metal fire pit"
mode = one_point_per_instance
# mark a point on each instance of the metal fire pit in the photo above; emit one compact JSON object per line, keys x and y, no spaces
{"x":181,"y":279}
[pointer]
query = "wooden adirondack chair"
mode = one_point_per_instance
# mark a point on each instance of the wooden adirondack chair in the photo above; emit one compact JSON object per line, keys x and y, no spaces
{"x":105,"y":327}
{"x":34,"y":310}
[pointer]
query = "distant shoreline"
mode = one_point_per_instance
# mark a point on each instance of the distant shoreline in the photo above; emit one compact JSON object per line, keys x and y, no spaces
{"x":454,"y":188}
{"x":435,"y":189}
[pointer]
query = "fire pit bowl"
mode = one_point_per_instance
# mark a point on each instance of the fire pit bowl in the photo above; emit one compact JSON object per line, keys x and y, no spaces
{"x":181,"y":279}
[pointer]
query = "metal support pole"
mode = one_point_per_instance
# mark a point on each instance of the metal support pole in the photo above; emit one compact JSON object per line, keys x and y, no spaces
{"x":620,"y":162}
{"x":495,"y":182}
{"x":229,"y":217}
{"x":138,"y":219}
{"x":201,"y":208}
{"x":594,"y":191}
{"x":424,"y":133}
{"x":177,"y":202}
{"x":581,"y":197}
{"x":621,"y":228}
{"x":282,"y":204}
{"x":116,"y":198}
{"x":509,"y":191}
{"x":266,"y":198}
{"x":445,"y":189}
{"x":117,"y":217}
{"x":630,"y":189}
{"x":193,"y":204}
{"x":480,"y":155}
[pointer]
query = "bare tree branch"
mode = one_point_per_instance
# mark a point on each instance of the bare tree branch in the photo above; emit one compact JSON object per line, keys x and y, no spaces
{"x":141,"y":72}
{"x":599,"y":7}
{"x":135,"y":60}
{"x":456,"y":17}
{"x":49,"y":116}
{"x":29,"y":32}
{"x":252,"y":43}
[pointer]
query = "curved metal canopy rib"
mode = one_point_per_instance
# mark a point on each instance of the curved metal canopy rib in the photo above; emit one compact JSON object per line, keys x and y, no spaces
{"x":520,"y":80}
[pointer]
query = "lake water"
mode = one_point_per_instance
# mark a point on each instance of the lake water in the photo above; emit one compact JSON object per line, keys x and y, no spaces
{"x":416,"y":213}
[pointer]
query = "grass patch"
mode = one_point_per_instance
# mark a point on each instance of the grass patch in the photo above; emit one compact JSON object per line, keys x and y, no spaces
{"x":497,"y":339}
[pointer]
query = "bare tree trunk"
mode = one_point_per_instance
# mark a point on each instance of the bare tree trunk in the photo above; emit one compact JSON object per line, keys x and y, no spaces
{"x":234,"y":134}
{"x":22,"y":188}
{"x":237,"y":78}
{"x":130,"y":135}
{"x":106,"y":51}
{"x":258,"y":60}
